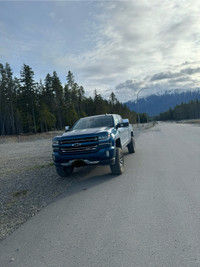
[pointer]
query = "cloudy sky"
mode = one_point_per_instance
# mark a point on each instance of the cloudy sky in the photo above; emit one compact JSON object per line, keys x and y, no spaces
{"x":120,"y":46}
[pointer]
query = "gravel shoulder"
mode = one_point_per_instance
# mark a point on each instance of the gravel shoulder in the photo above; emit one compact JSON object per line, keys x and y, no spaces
{"x":28,"y":180}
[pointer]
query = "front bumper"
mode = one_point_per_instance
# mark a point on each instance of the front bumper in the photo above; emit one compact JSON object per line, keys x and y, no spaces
{"x":104,"y":156}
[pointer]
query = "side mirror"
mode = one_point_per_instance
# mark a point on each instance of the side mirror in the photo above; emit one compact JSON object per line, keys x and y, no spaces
{"x":119,"y":125}
{"x":125,"y":122}
{"x":66,"y":128}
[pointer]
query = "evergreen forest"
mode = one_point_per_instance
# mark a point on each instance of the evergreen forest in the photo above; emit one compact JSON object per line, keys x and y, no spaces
{"x":27,"y":106}
{"x":184,"y":111}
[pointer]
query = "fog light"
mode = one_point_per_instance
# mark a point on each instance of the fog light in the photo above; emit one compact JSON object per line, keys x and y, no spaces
{"x":107,"y":154}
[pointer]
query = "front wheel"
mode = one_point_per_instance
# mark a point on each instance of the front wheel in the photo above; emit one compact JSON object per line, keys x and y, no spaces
{"x":118,"y":166}
{"x":131,"y":146}
{"x":64,"y":171}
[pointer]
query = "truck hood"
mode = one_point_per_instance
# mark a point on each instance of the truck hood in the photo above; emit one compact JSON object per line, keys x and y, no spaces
{"x":86,"y":131}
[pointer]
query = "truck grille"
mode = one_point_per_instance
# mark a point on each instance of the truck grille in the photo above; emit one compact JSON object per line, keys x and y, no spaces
{"x":79,"y":145}
{"x":79,"y":140}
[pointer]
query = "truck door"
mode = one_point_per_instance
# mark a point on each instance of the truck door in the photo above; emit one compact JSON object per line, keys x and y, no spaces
{"x":122,"y":131}
{"x":127,"y":131}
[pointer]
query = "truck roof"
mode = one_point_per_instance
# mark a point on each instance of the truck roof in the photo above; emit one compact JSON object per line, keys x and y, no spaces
{"x":100,"y":115}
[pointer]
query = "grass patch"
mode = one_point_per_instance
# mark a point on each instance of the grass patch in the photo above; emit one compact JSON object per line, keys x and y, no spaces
{"x":40,"y":166}
{"x":20,"y":193}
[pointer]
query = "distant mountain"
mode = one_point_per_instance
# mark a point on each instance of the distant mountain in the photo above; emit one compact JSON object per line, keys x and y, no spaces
{"x":155,"y":104}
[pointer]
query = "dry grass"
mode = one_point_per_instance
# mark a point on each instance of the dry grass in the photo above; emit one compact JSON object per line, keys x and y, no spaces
{"x":195,"y":121}
{"x":27,"y":137}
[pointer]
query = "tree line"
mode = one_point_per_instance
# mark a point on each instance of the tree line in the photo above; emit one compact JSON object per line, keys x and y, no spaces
{"x":183,"y":111}
{"x":27,"y":106}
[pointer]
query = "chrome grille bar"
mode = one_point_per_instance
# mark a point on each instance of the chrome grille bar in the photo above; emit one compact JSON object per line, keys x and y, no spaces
{"x":79,"y":140}
{"x":78,"y":149}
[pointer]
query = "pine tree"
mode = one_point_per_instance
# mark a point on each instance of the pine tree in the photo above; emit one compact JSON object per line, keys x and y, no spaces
{"x":58,"y":92}
{"x":7,"y":97}
{"x":2,"y":100}
{"x":28,"y":97}
{"x":70,"y":79}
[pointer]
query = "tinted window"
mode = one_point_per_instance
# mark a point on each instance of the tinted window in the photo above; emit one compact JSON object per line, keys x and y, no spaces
{"x":94,"y":122}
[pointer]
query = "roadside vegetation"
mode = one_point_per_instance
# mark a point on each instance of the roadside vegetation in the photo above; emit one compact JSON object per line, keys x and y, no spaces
{"x":185,"y":111}
{"x":27,"y":106}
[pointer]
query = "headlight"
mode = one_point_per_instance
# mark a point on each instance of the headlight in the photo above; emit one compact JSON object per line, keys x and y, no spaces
{"x":104,"y":137}
{"x":55,"y":142}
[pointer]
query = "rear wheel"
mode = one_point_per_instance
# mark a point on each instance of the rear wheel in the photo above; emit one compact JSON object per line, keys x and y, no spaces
{"x":118,"y":166}
{"x":131,"y":146}
{"x":64,"y":171}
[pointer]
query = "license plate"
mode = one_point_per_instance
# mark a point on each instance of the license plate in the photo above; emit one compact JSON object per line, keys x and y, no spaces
{"x":79,"y":163}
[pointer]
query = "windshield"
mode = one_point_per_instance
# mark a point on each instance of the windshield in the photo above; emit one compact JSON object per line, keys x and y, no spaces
{"x":94,"y":122}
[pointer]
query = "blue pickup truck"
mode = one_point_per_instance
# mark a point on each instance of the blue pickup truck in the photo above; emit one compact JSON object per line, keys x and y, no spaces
{"x":93,"y":140}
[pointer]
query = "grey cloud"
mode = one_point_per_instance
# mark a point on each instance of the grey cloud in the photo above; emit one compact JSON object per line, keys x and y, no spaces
{"x":164,"y":75}
{"x":129,"y":84}
{"x":179,"y":80}
{"x":172,"y":75}
{"x":179,"y":28}
{"x":190,"y":71}
{"x":191,"y":63}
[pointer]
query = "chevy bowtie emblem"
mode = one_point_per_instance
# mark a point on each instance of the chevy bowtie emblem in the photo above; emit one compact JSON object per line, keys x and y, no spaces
{"x":76,"y":144}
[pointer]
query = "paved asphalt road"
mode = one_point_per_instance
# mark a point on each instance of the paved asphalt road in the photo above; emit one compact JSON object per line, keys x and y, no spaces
{"x":149,"y":216}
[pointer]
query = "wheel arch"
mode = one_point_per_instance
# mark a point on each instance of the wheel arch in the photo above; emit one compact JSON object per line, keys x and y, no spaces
{"x":118,"y":143}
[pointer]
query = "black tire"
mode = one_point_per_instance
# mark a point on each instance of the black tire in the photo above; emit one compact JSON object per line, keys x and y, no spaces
{"x":64,"y":171}
{"x":118,"y":167}
{"x":131,"y":146}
